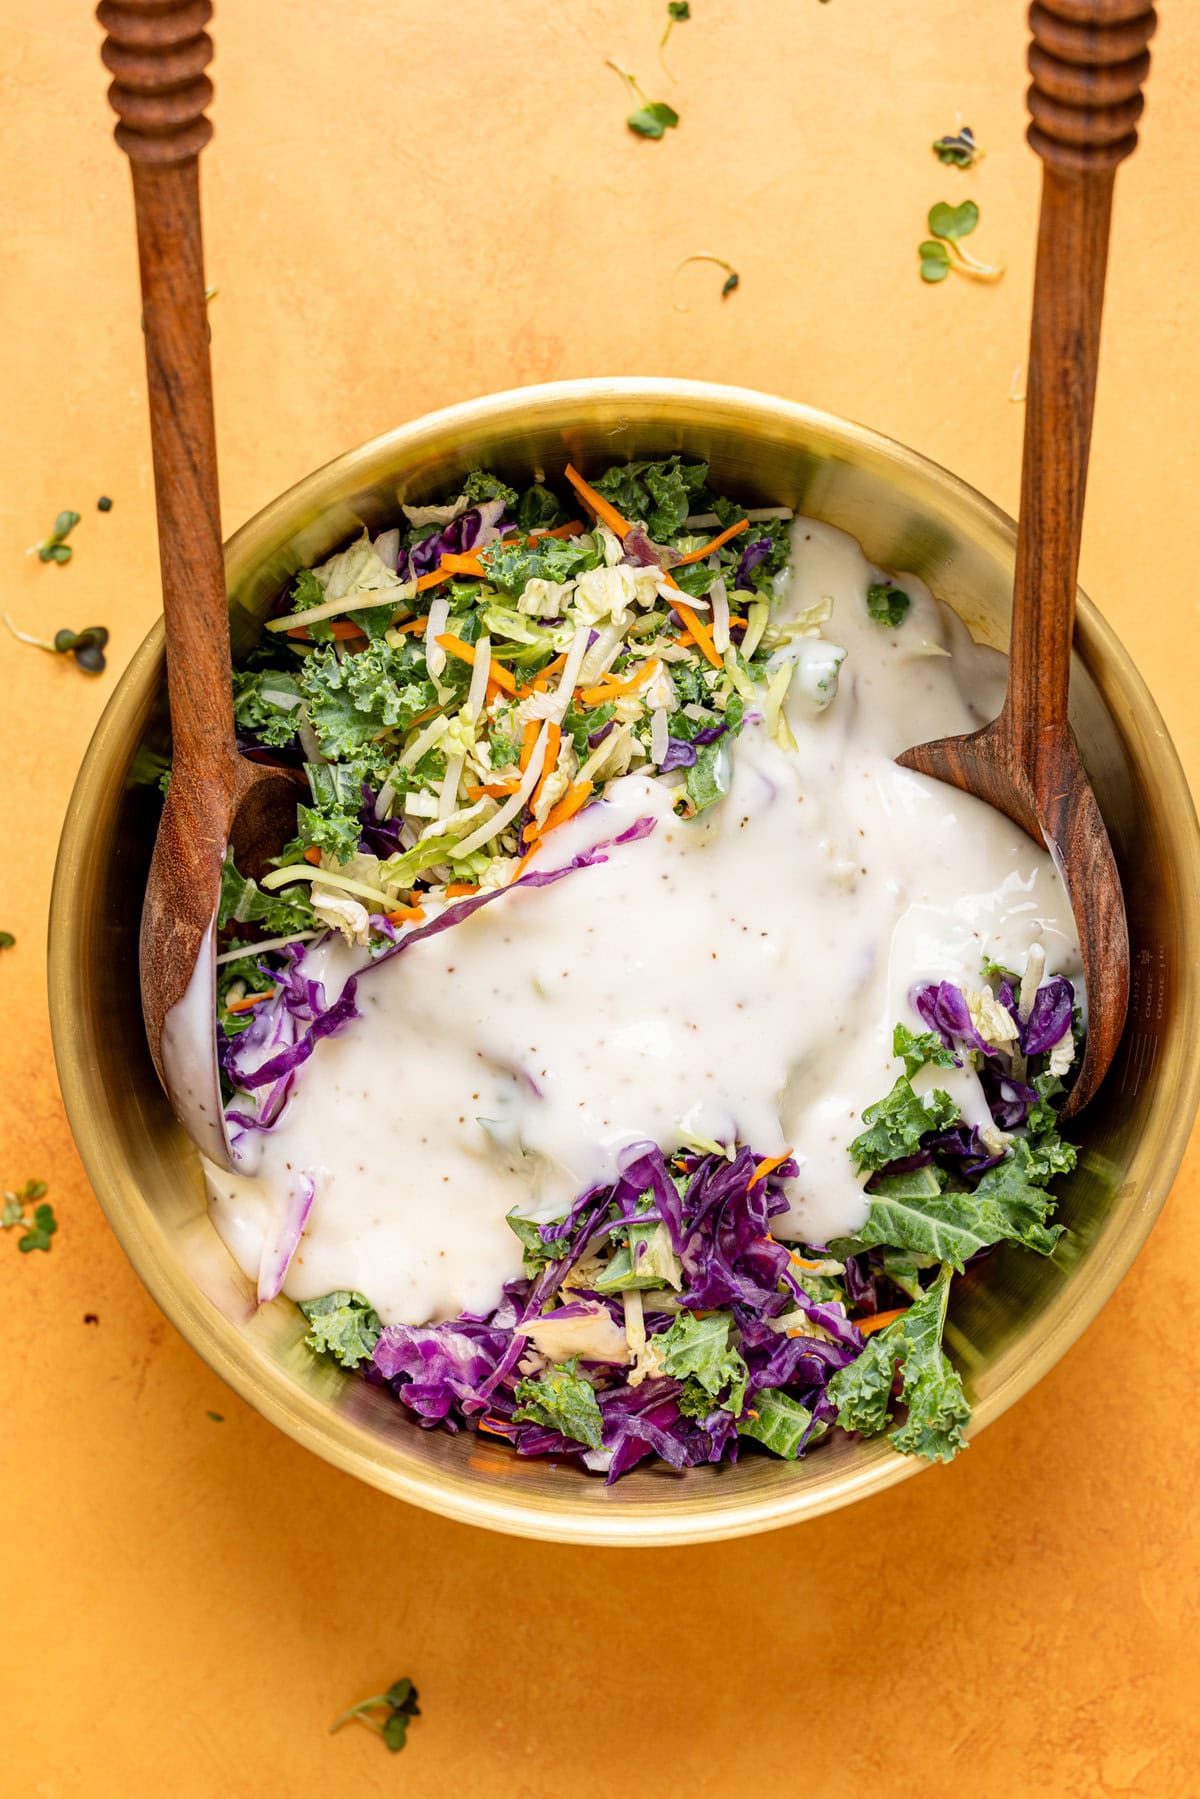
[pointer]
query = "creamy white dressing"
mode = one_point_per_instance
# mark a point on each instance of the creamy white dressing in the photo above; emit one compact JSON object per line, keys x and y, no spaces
{"x":735,"y":976}
{"x":188,"y":1049}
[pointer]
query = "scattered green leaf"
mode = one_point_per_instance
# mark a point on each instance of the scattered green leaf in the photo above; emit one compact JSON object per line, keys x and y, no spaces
{"x":948,"y":225}
{"x":87,"y":647}
{"x":7,"y":940}
{"x":104,"y":504}
{"x":732,"y":278}
{"x":36,"y":1231}
{"x":400,"y":1705}
{"x":653,"y":117}
{"x":54,"y":546}
{"x":958,"y":148}
{"x":217,"y":1417}
{"x":952,"y":222}
{"x":935,"y":260}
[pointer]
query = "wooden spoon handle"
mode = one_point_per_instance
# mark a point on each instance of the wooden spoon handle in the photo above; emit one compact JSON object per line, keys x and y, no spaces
{"x":157,"y":52}
{"x":1088,"y":59}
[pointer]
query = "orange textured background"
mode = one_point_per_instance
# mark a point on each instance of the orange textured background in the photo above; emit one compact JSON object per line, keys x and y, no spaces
{"x":408,"y":204}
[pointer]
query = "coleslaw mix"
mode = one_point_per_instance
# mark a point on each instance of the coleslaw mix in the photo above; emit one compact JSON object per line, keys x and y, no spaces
{"x":456,"y":687}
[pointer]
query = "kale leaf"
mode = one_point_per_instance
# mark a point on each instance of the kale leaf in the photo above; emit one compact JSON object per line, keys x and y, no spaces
{"x":350,"y":701}
{"x":1006,"y":1206}
{"x":1049,"y":1154}
{"x":918,"y":1048}
{"x":563,"y":1401}
{"x":776,"y":1421}
{"x":536,"y":1253}
{"x":267,"y":704}
{"x":243,"y":901}
{"x":657,"y":493}
{"x":930,"y":1386}
{"x":700,"y":1348}
{"x":708,"y":777}
{"x":344,"y":1325}
{"x":511,"y":566}
{"x":539,"y":508}
{"x":886,"y":603}
{"x":481,"y":484}
{"x":897,"y":1123}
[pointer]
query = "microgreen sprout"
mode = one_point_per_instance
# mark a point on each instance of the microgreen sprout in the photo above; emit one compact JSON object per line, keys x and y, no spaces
{"x":87,"y":647}
{"x":36,"y":1231}
{"x":732,"y":278}
{"x":653,"y":117}
{"x":677,"y":12}
{"x":943,"y":251}
{"x":958,"y":148}
{"x":400,"y":1701}
{"x":54,"y":547}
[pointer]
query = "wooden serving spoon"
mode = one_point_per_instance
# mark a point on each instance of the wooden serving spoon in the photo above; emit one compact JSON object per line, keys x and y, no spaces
{"x":157,"y":52}
{"x":1088,"y":59}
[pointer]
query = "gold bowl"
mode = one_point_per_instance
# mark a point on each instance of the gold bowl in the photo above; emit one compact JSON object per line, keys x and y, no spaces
{"x":1010,"y":1320}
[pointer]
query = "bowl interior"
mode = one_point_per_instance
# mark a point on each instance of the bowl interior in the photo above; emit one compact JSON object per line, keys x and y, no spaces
{"x":1009,"y":1322}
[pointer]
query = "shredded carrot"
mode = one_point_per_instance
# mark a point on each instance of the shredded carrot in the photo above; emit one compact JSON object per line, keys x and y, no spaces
{"x":612,"y":518}
{"x":553,"y":740}
{"x":465,"y":652}
{"x":405,"y":914}
{"x":879,"y":1320}
{"x":415,"y":625}
{"x":541,"y":680}
{"x":765,"y":1167}
{"x":341,"y":628}
{"x":570,"y":803}
{"x":714,"y":543}
{"x":251,"y":999}
{"x":312,"y":854}
{"x":526,"y":859}
{"x":700,"y":634}
{"x":457,"y":889}
{"x":613,"y":686}
{"x":608,"y":515}
{"x":527,"y":742}
{"x":492,"y":691}
{"x":466,"y":564}
{"x":799,"y":1261}
{"x":750,"y":1412}
{"x":493,"y":1430}
{"x":494,"y":790}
